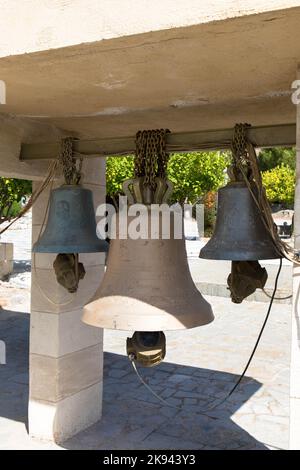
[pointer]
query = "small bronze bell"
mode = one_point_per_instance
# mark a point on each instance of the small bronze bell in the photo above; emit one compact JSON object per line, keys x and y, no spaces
{"x":240,"y":234}
{"x":71,"y":224}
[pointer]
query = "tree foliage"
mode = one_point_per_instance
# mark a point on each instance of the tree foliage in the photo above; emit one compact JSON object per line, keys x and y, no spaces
{"x":118,"y":169}
{"x":11,"y":193}
{"x":198,"y":173}
{"x":272,"y":157}
{"x":192,"y":174}
{"x":279,"y":183}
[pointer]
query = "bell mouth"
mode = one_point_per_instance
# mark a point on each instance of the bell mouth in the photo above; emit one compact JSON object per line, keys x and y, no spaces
{"x":117,"y":312}
{"x":101,"y":247}
{"x":216,"y":250}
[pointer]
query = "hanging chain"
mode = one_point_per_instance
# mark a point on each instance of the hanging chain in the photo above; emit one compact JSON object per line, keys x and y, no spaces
{"x":151,"y":158}
{"x":68,"y":161}
{"x":240,"y":152}
{"x":245,"y":168}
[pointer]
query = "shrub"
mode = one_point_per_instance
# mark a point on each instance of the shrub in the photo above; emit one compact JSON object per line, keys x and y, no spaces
{"x":118,"y":169}
{"x":210,"y":212}
{"x":11,"y":193}
{"x":280,"y":185}
{"x":193,"y":174}
{"x":269,"y":158}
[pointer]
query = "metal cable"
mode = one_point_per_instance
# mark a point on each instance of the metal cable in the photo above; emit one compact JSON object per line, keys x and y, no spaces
{"x":277,"y":298}
{"x":35,"y":195}
{"x":213,"y":402}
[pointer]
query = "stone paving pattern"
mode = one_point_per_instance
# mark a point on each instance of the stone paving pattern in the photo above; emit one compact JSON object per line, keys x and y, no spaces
{"x":201,"y":366}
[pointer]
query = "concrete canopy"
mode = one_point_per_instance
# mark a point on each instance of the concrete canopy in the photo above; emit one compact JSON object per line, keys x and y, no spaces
{"x":201,"y":76}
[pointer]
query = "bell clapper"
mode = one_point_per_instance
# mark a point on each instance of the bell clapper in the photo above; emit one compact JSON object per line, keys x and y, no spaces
{"x":148,"y":348}
{"x":245,"y":278}
{"x":68,"y":271}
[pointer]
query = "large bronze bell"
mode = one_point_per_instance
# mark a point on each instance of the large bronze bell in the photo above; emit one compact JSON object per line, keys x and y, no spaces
{"x":239,"y":234}
{"x":148,"y":286}
{"x":71,"y":224}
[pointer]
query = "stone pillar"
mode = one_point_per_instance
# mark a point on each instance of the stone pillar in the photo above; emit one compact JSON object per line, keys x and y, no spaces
{"x":295,"y":338}
{"x":66,"y":356}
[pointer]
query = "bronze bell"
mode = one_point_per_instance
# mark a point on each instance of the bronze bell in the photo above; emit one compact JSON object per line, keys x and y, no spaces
{"x":239,"y":234}
{"x":71,"y":224}
{"x":148,"y":286}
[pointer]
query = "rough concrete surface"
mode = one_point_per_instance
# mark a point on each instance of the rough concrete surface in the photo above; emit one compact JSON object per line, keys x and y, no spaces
{"x":198,"y":75}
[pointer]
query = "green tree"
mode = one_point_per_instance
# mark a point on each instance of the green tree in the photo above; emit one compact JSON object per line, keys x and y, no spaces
{"x":279,"y":183}
{"x":272,"y":157}
{"x":11,"y":193}
{"x":193,"y":174}
{"x":118,"y":169}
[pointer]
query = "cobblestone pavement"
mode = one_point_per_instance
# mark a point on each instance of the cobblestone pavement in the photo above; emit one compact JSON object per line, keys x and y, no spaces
{"x":201,"y":366}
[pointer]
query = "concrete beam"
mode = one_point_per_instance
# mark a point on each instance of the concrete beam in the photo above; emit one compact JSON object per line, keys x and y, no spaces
{"x":265,"y":136}
{"x":13,"y":131}
{"x":198,"y":73}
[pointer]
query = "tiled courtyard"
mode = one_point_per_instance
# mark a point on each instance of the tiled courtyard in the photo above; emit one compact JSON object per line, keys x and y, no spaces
{"x":201,"y":366}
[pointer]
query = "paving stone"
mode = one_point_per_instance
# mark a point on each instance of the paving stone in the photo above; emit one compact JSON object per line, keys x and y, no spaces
{"x":190,"y":401}
{"x":117,"y":373}
{"x":167,"y":392}
{"x":183,"y":394}
{"x":254,"y":417}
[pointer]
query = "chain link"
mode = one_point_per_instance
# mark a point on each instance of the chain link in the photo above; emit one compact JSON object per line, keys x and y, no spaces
{"x":151,"y":158}
{"x":68,"y":161}
{"x":239,"y":151}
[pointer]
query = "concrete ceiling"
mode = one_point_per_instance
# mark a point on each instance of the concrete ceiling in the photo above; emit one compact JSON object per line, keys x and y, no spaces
{"x":199,"y":77}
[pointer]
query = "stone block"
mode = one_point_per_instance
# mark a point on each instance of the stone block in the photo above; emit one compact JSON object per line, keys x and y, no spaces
{"x":53,"y":379}
{"x":49,"y":296}
{"x":94,"y":171}
{"x":62,"y":334}
{"x":6,"y":259}
{"x":61,"y":420}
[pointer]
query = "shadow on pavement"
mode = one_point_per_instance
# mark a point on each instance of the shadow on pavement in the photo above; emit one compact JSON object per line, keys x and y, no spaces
{"x":132,"y":417}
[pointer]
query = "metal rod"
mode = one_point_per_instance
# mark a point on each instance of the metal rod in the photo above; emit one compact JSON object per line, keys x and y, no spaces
{"x":263,"y":136}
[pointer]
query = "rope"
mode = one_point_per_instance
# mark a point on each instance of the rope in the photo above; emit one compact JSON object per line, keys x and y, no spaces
{"x":223,"y":400}
{"x":35,"y":195}
{"x":67,"y":158}
{"x":68,"y":161}
{"x":245,"y":167}
{"x":277,"y":298}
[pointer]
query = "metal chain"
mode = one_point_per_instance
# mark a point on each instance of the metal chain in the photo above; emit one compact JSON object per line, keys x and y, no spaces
{"x":68,"y":161}
{"x":239,"y":151}
{"x":245,"y":168}
{"x":150,"y":156}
